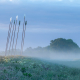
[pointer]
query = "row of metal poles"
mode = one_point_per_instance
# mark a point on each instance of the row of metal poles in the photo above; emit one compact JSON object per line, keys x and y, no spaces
{"x":11,"y":35}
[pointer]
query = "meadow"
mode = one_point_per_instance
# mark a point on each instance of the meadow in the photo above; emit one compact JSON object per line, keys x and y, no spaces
{"x":27,"y":68}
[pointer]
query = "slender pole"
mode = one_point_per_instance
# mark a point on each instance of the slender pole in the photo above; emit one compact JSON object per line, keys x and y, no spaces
{"x":8,"y":37}
{"x":17,"y":36}
{"x":22,"y":42}
{"x":24,"y":29}
{"x":7,"y":41}
{"x":13,"y":36}
{"x":23,"y":35}
{"x":9,"y":34}
{"x":15,"y":31}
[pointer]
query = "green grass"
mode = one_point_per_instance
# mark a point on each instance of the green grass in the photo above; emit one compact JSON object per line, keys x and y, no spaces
{"x":25,"y":68}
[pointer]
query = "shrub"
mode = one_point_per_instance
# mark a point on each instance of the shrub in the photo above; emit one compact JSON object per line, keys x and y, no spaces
{"x":23,"y":69}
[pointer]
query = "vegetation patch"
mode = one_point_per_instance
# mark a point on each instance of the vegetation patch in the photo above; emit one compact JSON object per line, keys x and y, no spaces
{"x":35,"y":69}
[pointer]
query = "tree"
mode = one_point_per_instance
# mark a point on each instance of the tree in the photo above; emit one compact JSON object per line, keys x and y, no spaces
{"x":61,"y":44}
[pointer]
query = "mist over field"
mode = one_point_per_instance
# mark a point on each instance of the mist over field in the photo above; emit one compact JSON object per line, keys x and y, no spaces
{"x":59,"y":49}
{"x":69,"y":59}
{"x":46,"y":55}
{"x":55,"y":56}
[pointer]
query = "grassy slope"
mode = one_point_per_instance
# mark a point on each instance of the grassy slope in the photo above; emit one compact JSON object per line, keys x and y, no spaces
{"x":22,"y":68}
{"x":72,"y":64}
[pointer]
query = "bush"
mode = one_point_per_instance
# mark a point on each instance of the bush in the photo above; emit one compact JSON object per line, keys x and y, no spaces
{"x":23,"y":69}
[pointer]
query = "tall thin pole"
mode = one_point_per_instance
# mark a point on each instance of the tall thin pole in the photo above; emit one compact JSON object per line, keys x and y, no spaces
{"x":11,"y":31}
{"x":11,"y":37}
{"x":24,"y":29}
{"x":9,"y":34}
{"x":23,"y":35}
{"x":17,"y":36}
{"x":8,"y":37}
{"x":22,"y":40}
{"x":15,"y":29}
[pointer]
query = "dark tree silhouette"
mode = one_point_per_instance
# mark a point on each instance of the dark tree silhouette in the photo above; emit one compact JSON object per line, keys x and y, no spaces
{"x":61,"y":44}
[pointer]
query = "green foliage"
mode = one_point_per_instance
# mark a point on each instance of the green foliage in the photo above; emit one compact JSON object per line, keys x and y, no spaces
{"x":17,"y":68}
{"x":4,"y":71}
{"x":2,"y":60}
{"x":26,"y":74}
{"x":74,"y":72}
{"x":55,"y":71}
{"x":62,"y":75}
{"x":35,"y":65}
{"x":57,"y":45}
{"x":63,"y":45}
{"x":29,"y":75}
{"x":23,"y":69}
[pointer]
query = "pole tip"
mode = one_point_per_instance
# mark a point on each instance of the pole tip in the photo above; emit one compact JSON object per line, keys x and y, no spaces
{"x":26,"y":23}
{"x":24,"y":15}
{"x":10,"y":19}
{"x":16,"y":17}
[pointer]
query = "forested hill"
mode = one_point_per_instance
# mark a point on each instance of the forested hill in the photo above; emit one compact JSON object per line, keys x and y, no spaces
{"x":58,"y":45}
{"x":61,"y":44}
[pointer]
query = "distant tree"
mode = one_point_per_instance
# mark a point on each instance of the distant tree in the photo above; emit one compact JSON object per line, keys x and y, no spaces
{"x":28,"y":50}
{"x":39,"y":48}
{"x":61,"y":44}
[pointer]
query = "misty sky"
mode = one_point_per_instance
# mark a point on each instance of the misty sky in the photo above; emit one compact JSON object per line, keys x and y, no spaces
{"x":47,"y":20}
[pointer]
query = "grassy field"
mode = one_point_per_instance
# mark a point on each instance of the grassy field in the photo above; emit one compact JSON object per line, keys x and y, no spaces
{"x":26,"y":68}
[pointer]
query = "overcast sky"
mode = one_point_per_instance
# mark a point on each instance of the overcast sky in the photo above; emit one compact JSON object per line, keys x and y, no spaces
{"x":46,"y":21}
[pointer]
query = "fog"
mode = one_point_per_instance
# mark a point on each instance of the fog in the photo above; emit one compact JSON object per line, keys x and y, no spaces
{"x":69,"y":59}
{"x":55,"y":56}
{"x":46,"y":54}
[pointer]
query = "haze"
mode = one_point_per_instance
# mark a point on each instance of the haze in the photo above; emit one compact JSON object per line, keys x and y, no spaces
{"x":47,"y":20}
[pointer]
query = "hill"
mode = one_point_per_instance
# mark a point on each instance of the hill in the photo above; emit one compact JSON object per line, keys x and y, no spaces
{"x":61,"y":44}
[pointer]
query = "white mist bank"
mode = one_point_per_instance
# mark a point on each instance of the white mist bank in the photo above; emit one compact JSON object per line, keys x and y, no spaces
{"x":56,"y":56}
{"x":47,"y":55}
